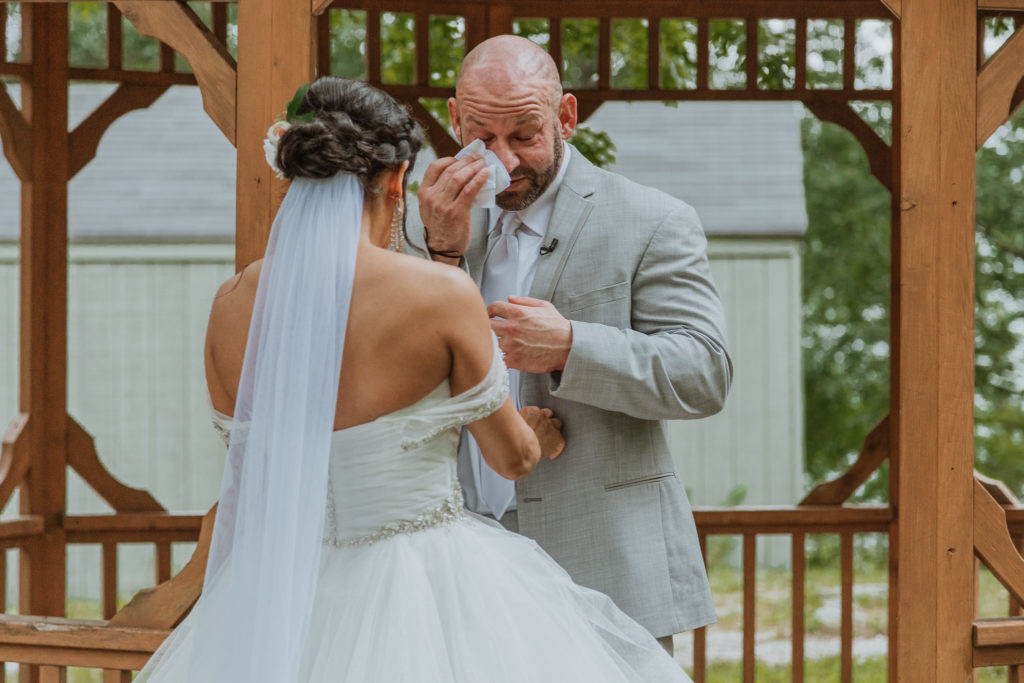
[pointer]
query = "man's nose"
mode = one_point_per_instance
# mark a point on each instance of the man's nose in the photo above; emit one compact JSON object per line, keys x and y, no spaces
{"x":505,"y":155}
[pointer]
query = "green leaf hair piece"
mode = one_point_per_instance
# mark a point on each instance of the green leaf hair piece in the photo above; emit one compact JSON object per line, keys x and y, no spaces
{"x":291,"y":113}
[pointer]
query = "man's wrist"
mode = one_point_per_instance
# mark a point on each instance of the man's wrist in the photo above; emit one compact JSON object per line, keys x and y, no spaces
{"x":447,"y":253}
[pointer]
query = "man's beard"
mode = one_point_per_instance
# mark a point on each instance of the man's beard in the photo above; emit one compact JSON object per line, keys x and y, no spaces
{"x":540,"y":181}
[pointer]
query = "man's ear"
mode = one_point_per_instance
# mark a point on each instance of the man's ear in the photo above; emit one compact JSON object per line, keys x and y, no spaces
{"x":453,"y":114}
{"x":567,"y":115}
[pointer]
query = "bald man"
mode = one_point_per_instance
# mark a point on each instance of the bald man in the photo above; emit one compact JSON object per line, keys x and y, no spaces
{"x":600,"y":295}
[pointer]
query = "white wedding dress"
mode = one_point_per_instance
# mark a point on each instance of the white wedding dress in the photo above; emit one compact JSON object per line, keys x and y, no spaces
{"x":414,"y":588}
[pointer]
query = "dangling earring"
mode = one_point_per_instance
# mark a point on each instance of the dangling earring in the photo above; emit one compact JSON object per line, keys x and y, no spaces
{"x":397,"y":242}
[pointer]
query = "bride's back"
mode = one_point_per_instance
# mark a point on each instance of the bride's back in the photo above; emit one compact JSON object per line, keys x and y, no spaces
{"x":398,"y":343}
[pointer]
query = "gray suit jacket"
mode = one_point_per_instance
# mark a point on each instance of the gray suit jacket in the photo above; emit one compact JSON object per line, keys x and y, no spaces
{"x":631,"y":273}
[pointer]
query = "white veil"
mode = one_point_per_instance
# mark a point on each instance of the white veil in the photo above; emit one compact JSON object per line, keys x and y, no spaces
{"x":252,"y":620}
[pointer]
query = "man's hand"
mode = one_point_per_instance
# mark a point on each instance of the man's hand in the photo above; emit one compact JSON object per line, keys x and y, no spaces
{"x":445,"y":198}
{"x":548,"y":429}
{"x":532,"y":333}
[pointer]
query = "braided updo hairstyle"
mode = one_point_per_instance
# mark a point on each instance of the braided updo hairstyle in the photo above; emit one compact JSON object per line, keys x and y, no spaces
{"x":355,"y":129}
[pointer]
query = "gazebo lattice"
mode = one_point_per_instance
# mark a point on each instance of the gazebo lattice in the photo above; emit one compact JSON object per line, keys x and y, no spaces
{"x":947,"y":99}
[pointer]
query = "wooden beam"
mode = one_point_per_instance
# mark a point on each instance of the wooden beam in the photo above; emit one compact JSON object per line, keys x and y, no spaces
{"x":176,"y":25}
{"x":16,"y":136}
{"x":276,"y":54}
{"x":841,"y":113}
{"x":46,"y":640}
{"x":998,"y":655}
{"x":873,"y":453}
{"x":14,"y":459}
{"x":1001,"y":5}
{"x":86,"y":137}
{"x":935,"y":401}
{"x":43,"y":332}
{"x":83,"y":459}
{"x":894,"y":6}
{"x":999,"y":631}
{"x":1000,"y":83}
{"x":993,"y":545}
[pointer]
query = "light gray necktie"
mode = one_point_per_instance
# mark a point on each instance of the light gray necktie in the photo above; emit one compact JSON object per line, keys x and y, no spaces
{"x":500,"y":279}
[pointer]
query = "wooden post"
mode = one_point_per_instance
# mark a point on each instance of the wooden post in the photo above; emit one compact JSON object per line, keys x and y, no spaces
{"x":276,"y":54}
{"x":935,"y":365}
{"x":43,"y":340}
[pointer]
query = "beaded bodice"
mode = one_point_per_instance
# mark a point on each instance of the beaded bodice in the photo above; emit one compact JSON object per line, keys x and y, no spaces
{"x":397,"y":474}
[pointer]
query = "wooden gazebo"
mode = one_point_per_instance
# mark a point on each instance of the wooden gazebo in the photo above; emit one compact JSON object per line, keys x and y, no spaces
{"x":947,"y":99}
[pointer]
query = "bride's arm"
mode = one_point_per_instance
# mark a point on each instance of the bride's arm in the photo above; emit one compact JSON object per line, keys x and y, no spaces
{"x":508,"y":442}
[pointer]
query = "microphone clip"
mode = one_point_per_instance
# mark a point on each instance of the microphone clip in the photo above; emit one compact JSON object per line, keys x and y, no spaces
{"x":549,"y":247}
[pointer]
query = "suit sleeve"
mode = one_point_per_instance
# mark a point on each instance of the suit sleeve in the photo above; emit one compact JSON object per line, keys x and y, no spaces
{"x":673,"y":363}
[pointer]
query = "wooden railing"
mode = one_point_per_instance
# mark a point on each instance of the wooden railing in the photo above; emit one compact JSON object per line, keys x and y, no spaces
{"x":123,"y":640}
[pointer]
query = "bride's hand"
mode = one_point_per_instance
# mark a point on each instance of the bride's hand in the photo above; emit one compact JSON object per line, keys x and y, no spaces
{"x":548,"y":429}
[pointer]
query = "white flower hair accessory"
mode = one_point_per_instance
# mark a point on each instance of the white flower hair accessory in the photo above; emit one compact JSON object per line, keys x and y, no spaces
{"x":284,"y":122}
{"x":270,"y":143}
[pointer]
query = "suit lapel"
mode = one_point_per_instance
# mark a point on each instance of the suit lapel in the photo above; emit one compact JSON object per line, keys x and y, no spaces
{"x":572,"y":208}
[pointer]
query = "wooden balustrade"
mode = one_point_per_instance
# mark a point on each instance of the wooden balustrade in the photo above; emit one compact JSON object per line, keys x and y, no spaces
{"x":55,"y":643}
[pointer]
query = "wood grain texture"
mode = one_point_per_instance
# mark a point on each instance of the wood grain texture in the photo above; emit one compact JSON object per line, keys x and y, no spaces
{"x":1000,"y":87}
{"x":935,"y":400}
{"x":43,"y":306}
{"x":276,"y":54}
{"x":176,"y":25}
{"x":998,"y":631}
{"x":55,"y":640}
{"x":85,"y":138}
{"x":895,"y":7}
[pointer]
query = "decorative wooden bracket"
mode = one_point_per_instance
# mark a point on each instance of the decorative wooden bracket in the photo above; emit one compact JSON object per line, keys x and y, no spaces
{"x":320,"y":6}
{"x":894,"y":6}
{"x":1000,"y":86}
{"x":440,"y":139}
{"x":82,"y":458}
{"x":997,"y":642}
{"x":86,"y":137}
{"x":872,"y":454}
{"x":164,"y":606}
{"x":842,"y":114}
{"x":175,"y":24}
{"x":993,"y":545}
{"x":14,"y":459}
{"x":16,"y":135}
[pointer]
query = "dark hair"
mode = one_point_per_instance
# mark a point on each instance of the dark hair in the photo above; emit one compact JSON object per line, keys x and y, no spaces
{"x":355,"y":129}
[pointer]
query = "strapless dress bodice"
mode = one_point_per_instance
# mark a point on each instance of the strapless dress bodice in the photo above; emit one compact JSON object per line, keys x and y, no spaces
{"x":397,"y":474}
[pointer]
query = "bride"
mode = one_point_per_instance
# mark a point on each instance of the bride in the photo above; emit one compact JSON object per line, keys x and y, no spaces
{"x":341,"y":550}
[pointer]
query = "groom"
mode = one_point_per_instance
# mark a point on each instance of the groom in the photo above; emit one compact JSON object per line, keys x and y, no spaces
{"x":622,"y":328}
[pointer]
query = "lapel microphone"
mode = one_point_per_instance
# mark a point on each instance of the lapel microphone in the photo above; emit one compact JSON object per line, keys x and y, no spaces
{"x":549,"y":247}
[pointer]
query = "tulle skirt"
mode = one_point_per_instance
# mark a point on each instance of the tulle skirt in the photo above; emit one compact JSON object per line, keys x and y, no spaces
{"x":468,"y":602}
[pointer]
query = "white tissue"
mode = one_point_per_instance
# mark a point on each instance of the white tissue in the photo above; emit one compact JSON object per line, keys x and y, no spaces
{"x":497,"y":177}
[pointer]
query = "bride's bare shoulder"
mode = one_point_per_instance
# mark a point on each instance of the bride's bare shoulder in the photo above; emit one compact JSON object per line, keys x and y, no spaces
{"x":433,"y":280}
